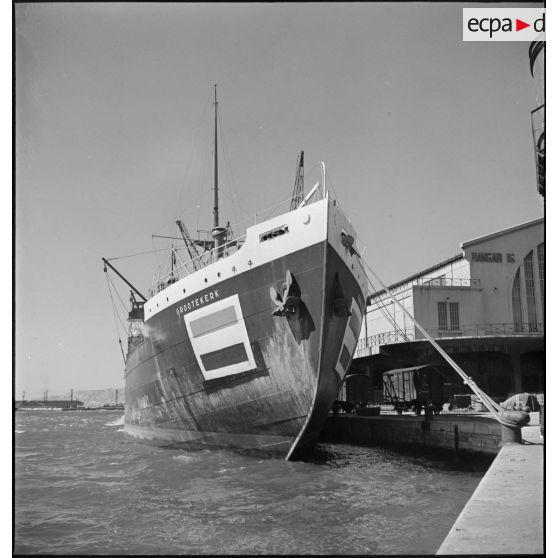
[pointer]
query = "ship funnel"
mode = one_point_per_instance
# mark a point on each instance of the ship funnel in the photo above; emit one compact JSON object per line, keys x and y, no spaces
{"x":218,"y":232}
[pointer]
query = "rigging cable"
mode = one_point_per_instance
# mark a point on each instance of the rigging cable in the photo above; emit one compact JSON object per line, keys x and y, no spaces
{"x":144,"y":253}
{"x":330,"y":181}
{"x":234,"y":202}
{"x":115,"y":316}
{"x":207,"y":102}
{"x":382,"y":307}
{"x":385,"y":312}
{"x":121,"y":302}
{"x":185,"y":177}
{"x":488,"y":402}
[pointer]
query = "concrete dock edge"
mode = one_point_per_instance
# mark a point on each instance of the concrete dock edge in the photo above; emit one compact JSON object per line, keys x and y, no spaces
{"x":505,"y":513}
{"x":450,"y":432}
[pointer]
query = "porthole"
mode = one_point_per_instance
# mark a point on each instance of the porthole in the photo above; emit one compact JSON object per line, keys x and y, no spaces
{"x":205,"y":279}
{"x":219,"y":274}
{"x":167,"y":298}
{"x":183,"y":290}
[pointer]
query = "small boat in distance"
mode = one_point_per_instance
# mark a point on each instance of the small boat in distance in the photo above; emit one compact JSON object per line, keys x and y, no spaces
{"x":247,"y":344}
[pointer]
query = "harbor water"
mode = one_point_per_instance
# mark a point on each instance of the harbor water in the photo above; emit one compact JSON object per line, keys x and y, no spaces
{"x":83,"y":487}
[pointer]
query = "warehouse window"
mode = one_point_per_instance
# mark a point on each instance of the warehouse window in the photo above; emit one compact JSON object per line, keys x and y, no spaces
{"x":442,"y":316}
{"x":530,"y":292}
{"x":454,"y":315}
{"x":516,"y":302}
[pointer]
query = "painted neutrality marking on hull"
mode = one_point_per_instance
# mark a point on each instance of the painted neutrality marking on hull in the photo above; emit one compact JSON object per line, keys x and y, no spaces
{"x":234,"y":354}
{"x":213,"y":322}
{"x":349,"y":340}
{"x":218,"y":334}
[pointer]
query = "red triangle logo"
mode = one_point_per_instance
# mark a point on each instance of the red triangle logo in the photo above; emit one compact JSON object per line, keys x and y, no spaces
{"x":519,"y":25}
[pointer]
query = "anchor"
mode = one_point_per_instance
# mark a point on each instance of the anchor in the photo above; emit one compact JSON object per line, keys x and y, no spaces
{"x":290,"y":300}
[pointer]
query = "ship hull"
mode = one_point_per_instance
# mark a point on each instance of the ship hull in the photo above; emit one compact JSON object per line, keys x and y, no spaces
{"x":229,"y":367}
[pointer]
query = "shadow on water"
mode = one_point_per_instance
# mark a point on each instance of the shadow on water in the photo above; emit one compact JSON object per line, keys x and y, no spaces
{"x":339,"y":456}
{"x":343,"y":455}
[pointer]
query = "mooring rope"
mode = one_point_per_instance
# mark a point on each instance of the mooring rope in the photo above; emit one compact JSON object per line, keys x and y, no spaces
{"x":495,"y":409}
{"x":385,"y":312}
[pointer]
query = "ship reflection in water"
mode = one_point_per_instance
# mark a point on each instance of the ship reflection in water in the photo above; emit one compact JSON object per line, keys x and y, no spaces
{"x":82,"y":486}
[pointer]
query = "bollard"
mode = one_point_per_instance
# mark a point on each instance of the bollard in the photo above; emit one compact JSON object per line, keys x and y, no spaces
{"x":427,"y":417}
{"x":511,"y":433}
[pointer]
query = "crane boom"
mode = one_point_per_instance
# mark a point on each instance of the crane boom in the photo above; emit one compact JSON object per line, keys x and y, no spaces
{"x":106,"y":262}
{"x":298,"y":191}
{"x":189,"y":243}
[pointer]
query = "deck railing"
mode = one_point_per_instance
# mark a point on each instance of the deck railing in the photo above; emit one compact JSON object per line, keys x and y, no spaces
{"x":194,"y":264}
{"x":470,"y":330}
{"x":450,"y":282}
{"x":315,"y":194}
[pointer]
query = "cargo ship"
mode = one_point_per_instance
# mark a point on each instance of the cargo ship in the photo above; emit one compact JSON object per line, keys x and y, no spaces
{"x":246,"y":345}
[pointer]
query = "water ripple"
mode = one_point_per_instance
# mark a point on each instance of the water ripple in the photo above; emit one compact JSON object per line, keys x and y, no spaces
{"x":84,"y":488}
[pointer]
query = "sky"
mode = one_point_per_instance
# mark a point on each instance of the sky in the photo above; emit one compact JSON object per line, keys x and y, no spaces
{"x":427,"y":141}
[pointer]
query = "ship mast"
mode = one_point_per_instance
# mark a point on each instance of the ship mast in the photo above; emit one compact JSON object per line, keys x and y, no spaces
{"x":218,"y":233}
{"x":215,"y":170}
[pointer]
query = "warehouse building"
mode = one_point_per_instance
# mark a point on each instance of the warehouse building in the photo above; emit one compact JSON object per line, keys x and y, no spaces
{"x":485,"y":307}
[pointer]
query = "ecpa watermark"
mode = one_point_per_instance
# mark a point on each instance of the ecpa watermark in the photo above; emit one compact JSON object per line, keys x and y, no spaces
{"x":503,"y":24}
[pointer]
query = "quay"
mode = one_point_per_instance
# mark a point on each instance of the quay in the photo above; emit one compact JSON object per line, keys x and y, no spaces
{"x":476,"y":433}
{"x":505,"y":513}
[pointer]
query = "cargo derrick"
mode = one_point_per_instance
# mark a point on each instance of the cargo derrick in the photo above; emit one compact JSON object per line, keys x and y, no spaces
{"x":135,"y":315}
